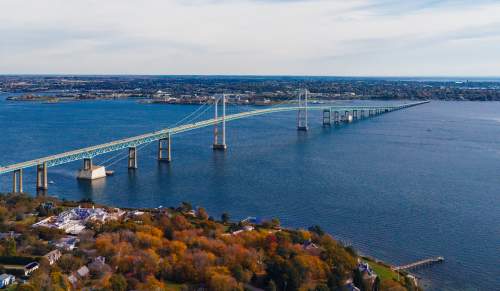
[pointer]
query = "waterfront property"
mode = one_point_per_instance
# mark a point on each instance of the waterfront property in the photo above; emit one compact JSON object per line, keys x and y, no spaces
{"x":73,"y":221}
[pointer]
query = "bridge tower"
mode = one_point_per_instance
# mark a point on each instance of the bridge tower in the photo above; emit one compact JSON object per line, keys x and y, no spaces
{"x":132,"y":158}
{"x":164,"y":153}
{"x":302,"y":112}
{"x":17,"y":181}
{"x":222,"y":144}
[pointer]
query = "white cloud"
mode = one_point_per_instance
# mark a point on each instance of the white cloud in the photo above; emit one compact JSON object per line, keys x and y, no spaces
{"x":310,"y":37}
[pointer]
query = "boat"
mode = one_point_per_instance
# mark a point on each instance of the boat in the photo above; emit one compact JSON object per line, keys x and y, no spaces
{"x":110,"y":173}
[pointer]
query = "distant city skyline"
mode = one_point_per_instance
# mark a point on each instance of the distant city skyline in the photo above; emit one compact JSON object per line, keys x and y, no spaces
{"x":251,"y":37}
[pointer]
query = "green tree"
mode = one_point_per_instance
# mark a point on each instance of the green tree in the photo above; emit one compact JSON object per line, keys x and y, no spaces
{"x":271,"y":286}
{"x":118,"y":282}
{"x":10,"y":247}
{"x":321,"y":287}
{"x":186,"y":206}
{"x":202,"y":213}
{"x":225,"y":217}
{"x":317,"y":229}
{"x":25,"y":287}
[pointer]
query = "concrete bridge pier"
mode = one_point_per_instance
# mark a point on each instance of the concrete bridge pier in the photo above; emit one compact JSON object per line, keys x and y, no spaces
{"x":336,"y":117}
{"x":164,"y":152}
{"x":17,"y":181}
{"x":132,"y":158}
{"x":42,"y":183}
{"x":362,"y":114}
{"x":91,"y":171}
{"x":327,"y":117}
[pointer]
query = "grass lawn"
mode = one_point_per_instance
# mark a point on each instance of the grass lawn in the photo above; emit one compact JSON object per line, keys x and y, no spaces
{"x":384,"y":272}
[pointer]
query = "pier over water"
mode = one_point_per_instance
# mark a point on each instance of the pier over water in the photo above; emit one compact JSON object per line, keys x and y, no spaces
{"x":421,"y":263}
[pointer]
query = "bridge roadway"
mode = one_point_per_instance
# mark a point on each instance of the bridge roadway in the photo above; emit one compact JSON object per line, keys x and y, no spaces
{"x":92,"y":151}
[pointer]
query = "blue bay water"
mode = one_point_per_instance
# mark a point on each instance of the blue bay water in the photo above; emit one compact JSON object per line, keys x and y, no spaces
{"x":401,"y":187}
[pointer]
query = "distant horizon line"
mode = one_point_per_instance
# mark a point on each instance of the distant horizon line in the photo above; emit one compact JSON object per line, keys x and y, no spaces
{"x":257,"y":75}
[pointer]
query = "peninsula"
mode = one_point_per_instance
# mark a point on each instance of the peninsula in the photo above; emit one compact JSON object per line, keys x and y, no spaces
{"x":49,"y":244}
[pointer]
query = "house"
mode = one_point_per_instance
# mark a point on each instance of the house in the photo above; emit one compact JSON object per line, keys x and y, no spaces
{"x":67,"y":243}
{"x":10,"y":234}
{"x":309,"y":245}
{"x":83,"y":271}
{"x":248,"y":228}
{"x":6,"y":280}
{"x":47,"y":205}
{"x":53,"y":256}
{"x":99,"y":266}
{"x":73,"y":279}
{"x":368,"y":275}
{"x":30,"y":268}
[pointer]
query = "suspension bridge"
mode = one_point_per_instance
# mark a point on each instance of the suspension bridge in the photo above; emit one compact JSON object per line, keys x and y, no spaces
{"x":330,"y":115}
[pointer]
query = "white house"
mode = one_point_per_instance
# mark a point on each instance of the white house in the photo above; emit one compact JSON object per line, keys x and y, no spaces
{"x":30,"y":268}
{"x":53,"y":256}
{"x":6,"y":280}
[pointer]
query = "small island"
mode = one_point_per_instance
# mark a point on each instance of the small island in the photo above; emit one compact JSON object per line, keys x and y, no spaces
{"x":49,"y":244}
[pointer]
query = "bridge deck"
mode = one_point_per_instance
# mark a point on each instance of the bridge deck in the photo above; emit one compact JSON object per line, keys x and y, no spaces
{"x":92,"y":151}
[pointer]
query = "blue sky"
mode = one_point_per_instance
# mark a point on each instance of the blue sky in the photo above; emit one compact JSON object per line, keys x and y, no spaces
{"x":263,"y":37}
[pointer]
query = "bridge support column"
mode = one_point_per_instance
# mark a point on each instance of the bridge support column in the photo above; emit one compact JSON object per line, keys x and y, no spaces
{"x":221,"y":146}
{"x":164,"y":153}
{"x":132,"y":158}
{"x":87,"y":164}
{"x":42,"y":184}
{"x":327,"y":117}
{"x":336,"y":117}
{"x":17,"y":181}
{"x":302,"y":113}
{"x":362,"y":114}
{"x":348,"y":116}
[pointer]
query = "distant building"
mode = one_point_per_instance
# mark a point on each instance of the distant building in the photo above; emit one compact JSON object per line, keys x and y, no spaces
{"x":6,"y":280}
{"x":53,"y":256}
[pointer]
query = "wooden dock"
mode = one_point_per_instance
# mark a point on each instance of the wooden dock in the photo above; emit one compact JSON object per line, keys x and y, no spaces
{"x":421,"y":263}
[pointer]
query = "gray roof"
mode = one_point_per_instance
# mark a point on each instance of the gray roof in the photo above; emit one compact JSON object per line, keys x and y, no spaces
{"x":83,"y":271}
{"x":5,"y":276}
